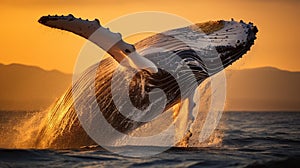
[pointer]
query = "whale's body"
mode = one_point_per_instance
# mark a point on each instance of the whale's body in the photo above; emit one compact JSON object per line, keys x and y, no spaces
{"x":226,"y":41}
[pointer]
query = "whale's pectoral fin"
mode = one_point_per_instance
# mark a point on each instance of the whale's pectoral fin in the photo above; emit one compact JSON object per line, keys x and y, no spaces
{"x":91,"y":30}
{"x":111,"y":42}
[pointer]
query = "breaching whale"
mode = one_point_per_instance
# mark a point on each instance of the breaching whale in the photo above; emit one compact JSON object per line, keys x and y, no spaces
{"x":211,"y":41}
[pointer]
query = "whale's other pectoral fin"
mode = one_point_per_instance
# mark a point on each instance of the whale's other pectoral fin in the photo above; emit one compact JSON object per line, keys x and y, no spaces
{"x":83,"y":28}
{"x":91,"y":30}
{"x":111,"y":42}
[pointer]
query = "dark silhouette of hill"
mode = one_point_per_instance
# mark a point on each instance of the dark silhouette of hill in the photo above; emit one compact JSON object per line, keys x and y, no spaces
{"x":25,"y":87}
{"x":261,"y":89}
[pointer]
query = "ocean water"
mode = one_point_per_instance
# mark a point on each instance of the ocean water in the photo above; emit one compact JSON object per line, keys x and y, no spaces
{"x":250,"y":139}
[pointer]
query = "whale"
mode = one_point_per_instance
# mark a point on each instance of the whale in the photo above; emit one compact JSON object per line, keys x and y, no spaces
{"x":189,"y":53}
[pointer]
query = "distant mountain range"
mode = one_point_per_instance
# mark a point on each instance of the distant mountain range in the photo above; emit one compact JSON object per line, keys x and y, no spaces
{"x":263,"y":89}
{"x":25,"y":87}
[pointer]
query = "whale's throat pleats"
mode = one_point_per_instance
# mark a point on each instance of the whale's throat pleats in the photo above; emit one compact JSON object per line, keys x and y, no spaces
{"x":140,"y":86}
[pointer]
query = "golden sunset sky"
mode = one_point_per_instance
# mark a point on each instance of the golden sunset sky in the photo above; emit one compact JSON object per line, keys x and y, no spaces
{"x":25,"y":41}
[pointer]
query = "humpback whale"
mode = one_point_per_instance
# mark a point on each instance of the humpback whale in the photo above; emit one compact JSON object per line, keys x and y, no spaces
{"x":188,"y":53}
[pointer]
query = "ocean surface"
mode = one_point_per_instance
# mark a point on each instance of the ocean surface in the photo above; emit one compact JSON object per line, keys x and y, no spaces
{"x":251,"y":139}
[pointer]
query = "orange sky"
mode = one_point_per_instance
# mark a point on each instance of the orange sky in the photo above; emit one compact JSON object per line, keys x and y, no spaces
{"x":24,"y":40}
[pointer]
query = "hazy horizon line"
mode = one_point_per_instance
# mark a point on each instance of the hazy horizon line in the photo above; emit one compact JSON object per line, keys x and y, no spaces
{"x":70,"y":73}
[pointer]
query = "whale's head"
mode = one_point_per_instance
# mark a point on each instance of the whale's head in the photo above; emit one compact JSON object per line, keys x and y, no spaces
{"x":227,"y":41}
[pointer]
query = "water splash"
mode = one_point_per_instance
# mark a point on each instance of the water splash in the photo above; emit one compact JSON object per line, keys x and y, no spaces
{"x":58,"y":127}
{"x":197,"y":135}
